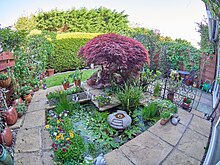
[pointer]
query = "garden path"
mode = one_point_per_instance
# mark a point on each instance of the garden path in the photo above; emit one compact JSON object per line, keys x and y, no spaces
{"x":169,"y":144}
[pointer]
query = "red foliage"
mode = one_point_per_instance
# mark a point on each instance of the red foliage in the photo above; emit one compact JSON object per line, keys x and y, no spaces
{"x":117,"y":54}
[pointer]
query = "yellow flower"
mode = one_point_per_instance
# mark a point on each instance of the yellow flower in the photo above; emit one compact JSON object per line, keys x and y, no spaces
{"x":58,"y":121}
{"x":71,"y":134}
{"x":47,"y":126}
{"x":67,"y":139}
{"x":57,"y":137}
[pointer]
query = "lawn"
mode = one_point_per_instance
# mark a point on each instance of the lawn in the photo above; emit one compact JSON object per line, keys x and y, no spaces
{"x":58,"y":78}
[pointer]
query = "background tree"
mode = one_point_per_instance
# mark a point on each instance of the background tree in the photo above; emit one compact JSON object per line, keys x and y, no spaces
{"x":26,"y":23}
{"x":116,"y":55}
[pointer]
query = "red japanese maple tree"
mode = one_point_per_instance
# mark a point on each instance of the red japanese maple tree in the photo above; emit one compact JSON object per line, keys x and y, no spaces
{"x":116,"y":54}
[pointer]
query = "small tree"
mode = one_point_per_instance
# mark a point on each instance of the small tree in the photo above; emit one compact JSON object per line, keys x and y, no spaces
{"x":116,"y":55}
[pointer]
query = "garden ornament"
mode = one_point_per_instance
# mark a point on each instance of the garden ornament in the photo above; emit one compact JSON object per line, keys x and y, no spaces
{"x":175,"y":119}
{"x":119,"y":120}
{"x":100,"y":160}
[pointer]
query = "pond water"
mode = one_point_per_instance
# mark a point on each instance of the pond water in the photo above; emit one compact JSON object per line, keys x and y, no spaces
{"x":93,"y":127}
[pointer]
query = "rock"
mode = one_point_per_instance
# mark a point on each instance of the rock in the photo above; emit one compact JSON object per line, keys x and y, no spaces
{"x":174,"y":121}
{"x":100,"y":160}
{"x":119,"y":120}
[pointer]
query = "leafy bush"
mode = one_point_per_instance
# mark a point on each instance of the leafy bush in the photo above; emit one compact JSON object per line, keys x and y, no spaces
{"x":67,"y":46}
{"x":101,"y":20}
{"x":149,"y":112}
{"x":117,"y":54}
{"x":129,"y":96}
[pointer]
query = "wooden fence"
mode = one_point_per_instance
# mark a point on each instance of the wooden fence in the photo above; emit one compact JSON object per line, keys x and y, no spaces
{"x":6,"y":60}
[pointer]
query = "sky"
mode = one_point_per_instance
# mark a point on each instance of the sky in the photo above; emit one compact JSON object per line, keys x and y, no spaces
{"x":173,"y":18}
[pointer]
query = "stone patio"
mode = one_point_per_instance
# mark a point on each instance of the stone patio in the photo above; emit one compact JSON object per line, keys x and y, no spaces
{"x":169,"y":144}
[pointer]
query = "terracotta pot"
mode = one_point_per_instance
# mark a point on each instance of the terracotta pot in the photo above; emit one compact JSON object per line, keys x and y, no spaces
{"x":77,"y":83}
{"x":28,"y":98}
{"x":50,"y":72}
{"x":164,"y":121}
{"x":185,"y":106}
{"x":10,"y":116}
{"x":170,"y":96}
{"x":5,"y":83}
{"x":66,"y":85}
{"x":6,"y":137}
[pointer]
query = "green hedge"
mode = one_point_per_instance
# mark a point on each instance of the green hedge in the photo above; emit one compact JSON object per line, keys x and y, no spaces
{"x":67,"y":46}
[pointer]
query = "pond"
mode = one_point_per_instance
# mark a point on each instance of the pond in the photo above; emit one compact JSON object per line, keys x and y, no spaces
{"x":92,"y":126}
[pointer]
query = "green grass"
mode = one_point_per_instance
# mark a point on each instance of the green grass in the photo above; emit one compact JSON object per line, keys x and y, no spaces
{"x":57,"y":79}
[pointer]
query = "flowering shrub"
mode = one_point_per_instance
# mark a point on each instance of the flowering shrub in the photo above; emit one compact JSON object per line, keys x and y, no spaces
{"x":116,"y":54}
{"x":67,"y":145}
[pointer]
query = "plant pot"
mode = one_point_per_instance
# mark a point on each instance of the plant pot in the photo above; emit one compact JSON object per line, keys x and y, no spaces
{"x":5,"y":83}
{"x":185,"y":106}
{"x":10,"y":116}
{"x":28,"y":98}
{"x":5,"y":157}
{"x":77,"y":83}
{"x":164,"y":121}
{"x":6,"y":137}
{"x":50,"y":72}
{"x":66,"y":85}
{"x":170,"y":96}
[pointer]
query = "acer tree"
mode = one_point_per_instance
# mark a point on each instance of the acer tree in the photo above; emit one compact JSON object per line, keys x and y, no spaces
{"x":117,"y":56}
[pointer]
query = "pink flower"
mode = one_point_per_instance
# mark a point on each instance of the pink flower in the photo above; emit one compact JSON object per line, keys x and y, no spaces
{"x":63,"y":149}
{"x":55,"y":149}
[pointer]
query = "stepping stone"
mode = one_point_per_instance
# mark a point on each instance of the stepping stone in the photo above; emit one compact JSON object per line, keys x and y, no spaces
{"x":18,"y":124}
{"x":33,"y":158}
{"x":34,"y":119}
{"x":47,"y":160}
{"x":28,"y":140}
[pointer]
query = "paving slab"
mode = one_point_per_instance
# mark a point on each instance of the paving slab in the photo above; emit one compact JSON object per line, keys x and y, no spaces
{"x":46,"y":158}
{"x":36,"y":106}
{"x":195,"y":104}
{"x":206,"y":95}
{"x":18,"y":124}
{"x":46,"y":140}
{"x":179,"y":158}
{"x":28,"y":140}
{"x":185,"y":116}
{"x":206,"y":101}
{"x":200,"y":125}
{"x":28,"y":159}
{"x":192,"y":144}
{"x":34,"y":119}
{"x":116,"y":157}
{"x":204,"y":108}
{"x":169,"y":133}
{"x":197,"y":113}
{"x":146,"y":149}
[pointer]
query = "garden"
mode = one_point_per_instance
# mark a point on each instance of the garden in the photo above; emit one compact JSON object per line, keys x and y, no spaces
{"x":116,"y":81}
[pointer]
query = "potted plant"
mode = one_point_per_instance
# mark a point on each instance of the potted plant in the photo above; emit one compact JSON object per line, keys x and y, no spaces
{"x":102,"y":100}
{"x":77,"y":76}
{"x":66,"y":83}
{"x":5,"y":157}
{"x":10,"y":115}
{"x":21,"y":109}
{"x":186,"y":103}
{"x":25,"y":92}
{"x":5,"y":133}
{"x":5,"y":80}
{"x":173,"y":84}
{"x":165,"y":116}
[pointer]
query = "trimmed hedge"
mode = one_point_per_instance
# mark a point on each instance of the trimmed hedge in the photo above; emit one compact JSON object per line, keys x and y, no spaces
{"x":67,"y":46}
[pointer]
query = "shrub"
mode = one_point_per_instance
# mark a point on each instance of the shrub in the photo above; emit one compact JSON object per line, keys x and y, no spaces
{"x":67,"y":46}
{"x":150,"y":111}
{"x":117,"y":54}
